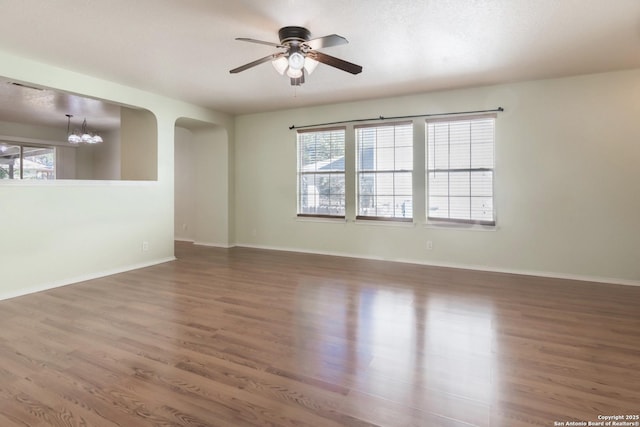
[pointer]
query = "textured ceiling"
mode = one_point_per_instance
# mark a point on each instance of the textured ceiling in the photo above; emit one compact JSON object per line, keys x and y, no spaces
{"x":31,"y":105}
{"x":185,"y":48}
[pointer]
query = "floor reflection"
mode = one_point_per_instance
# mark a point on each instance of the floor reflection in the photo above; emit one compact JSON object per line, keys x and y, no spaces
{"x":405,"y":345}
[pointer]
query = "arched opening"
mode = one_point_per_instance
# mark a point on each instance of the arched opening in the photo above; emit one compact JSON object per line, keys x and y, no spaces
{"x":35,"y":124}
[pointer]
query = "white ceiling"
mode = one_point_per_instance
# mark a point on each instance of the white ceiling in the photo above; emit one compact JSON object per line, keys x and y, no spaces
{"x":185,"y":48}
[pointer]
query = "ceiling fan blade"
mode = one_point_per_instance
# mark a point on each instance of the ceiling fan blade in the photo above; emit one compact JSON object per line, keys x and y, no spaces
{"x":245,"y":39}
{"x":336,"y":62}
{"x":256,"y":62}
{"x":326,"y":41}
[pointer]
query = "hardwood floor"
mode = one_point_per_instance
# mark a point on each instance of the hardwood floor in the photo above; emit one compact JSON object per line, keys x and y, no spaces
{"x":246,"y":337}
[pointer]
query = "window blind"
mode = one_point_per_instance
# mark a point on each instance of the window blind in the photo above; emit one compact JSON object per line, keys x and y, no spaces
{"x":460,"y":170}
{"x":385,"y":171}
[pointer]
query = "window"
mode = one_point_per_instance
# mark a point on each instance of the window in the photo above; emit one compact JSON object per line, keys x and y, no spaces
{"x":26,"y":162}
{"x":384,"y":171}
{"x":460,"y":165}
{"x":321,"y":172}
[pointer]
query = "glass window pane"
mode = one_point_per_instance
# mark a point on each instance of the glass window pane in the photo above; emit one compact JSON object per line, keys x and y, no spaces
{"x":459,"y":184}
{"x":385,"y":159}
{"x":321,"y":172}
{"x":438,"y":207}
{"x":9,"y":161}
{"x":482,"y":183}
{"x":382,"y":152}
{"x":38,"y":163}
{"x":460,"y":207}
{"x":403,"y":207}
{"x":404,"y":158}
{"x":482,"y":208}
{"x":456,"y":150}
{"x":384,"y":183}
{"x":384,"y":206}
{"x":439,"y":184}
{"x":403,"y":184}
{"x":385,"y":138}
{"x":366,"y":184}
{"x":27,"y":162}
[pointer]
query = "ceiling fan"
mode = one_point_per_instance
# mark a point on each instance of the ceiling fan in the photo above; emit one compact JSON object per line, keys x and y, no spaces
{"x":300,"y":54}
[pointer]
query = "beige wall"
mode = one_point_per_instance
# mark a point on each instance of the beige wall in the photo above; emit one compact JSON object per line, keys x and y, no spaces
{"x":106,"y":156}
{"x":567,"y":181}
{"x":138,"y":145}
{"x":65,"y":163}
{"x":202,"y":184}
{"x":185,"y":183}
{"x":46,"y":134}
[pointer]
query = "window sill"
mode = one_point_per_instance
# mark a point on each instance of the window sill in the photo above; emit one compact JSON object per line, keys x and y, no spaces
{"x":460,"y":226}
{"x":325,"y":219}
{"x":384,"y":223}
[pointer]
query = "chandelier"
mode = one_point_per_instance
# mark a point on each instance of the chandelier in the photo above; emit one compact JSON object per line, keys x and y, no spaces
{"x":82,"y":135}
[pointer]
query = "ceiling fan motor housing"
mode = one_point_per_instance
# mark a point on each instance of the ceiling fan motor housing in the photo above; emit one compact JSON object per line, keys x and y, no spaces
{"x":293,"y":34}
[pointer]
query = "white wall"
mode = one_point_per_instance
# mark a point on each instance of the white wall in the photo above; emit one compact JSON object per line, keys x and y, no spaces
{"x":567,"y":181}
{"x":74,"y":230}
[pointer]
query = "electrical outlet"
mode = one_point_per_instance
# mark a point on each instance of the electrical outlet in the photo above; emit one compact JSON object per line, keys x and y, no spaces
{"x":429,"y":245}
{"x":184,"y":227}
{"x":145,"y":246}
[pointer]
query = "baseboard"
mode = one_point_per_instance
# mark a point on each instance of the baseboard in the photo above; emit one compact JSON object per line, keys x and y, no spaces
{"x":178,"y":239}
{"x":84,"y":278}
{"x":213,"y":245}
{"x":554,"y":275}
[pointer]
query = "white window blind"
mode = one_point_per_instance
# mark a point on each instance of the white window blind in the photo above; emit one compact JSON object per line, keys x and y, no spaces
{"x":460,"y":169}
{"x":384,"y":171}
{"x":321,"y":172}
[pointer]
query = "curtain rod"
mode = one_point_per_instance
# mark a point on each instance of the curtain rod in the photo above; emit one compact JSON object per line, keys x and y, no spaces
{"x":499,"y":109}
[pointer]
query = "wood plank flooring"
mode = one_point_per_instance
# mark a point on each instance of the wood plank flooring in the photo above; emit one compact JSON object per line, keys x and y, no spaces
{"x":246,"y":337}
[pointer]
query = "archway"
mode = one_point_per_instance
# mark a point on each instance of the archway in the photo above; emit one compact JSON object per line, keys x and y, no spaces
{"x":201,"y":183}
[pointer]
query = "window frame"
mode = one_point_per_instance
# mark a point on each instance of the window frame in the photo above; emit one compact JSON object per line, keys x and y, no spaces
{"x":300,"y":173}
{"x":460,"y":221}
{"x":359,"y":171}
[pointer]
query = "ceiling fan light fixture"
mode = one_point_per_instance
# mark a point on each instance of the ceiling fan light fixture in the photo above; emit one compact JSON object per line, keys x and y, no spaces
{"x":280,"y":65}
{"x":299,"y":54}
{"x":310,"y":64}
{"x":296,"y":61}
{"x":294,"y":73}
